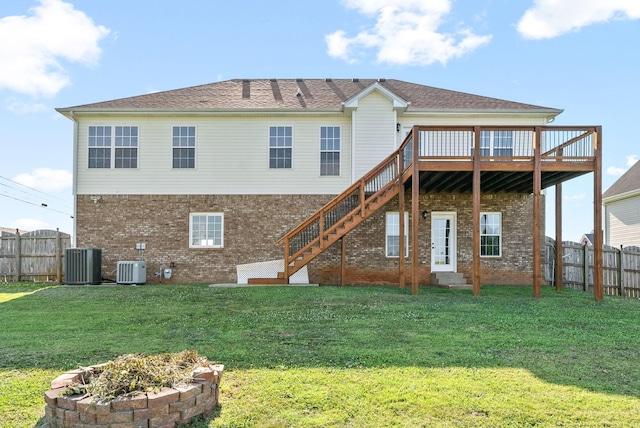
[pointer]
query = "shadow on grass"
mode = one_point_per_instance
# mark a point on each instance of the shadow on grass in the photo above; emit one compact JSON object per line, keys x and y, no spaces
{"x":563,"y":338}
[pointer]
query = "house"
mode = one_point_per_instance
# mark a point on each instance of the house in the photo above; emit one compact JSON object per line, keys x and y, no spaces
{"x":622,"y":209}
{"x":241,"y":171}
{"x":587,"y":239}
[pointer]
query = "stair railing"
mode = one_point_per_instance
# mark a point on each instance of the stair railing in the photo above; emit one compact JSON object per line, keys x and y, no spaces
{"x":354,"y":201}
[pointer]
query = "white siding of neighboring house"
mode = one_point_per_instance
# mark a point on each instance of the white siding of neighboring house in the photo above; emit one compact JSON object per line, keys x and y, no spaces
{"x":232,"y":157}
{"x":374,"y":132}
{"x":622,"y":222}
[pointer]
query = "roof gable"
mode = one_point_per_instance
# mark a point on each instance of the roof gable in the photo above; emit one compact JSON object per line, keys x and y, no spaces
{"x":398,"y":102}
{"x":629,"y":182}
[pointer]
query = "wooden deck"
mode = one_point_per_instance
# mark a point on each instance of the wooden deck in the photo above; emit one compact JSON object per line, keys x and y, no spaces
{"x":445,"y":159}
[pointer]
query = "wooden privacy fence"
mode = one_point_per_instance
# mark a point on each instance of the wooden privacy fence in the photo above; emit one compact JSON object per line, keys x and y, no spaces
{"x":33,"y":256}
{"x":621,"y":267}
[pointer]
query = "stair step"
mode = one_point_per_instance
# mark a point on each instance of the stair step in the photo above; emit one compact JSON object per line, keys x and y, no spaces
{"x":255,"y":281}
{"x":449,"y":280}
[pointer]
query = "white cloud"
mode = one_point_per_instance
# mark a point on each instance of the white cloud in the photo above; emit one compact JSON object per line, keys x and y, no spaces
{"x":46,"y":179}
{"x":54,"y":31}
{"x":405,"y":32}
{"x":29,"y":224}
{"x":16,"y":106}
{"x":551,"y":18}
{"x":618,"y":171}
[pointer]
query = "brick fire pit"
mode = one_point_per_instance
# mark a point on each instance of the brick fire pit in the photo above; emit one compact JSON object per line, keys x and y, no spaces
{"x":164,"y":409}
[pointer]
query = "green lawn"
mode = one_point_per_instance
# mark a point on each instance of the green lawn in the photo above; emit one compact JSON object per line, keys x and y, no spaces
{"x":354,"y":357}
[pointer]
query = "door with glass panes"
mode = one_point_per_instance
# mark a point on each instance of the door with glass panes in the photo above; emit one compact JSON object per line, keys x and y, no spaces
{"x":443,"y":242}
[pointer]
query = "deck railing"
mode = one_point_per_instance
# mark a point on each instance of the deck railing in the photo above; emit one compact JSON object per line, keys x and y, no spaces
{"x":506,"y":143}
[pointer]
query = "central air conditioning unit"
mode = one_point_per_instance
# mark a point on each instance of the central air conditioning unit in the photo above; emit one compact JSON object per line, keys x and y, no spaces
{"x":82,"y":266}
{"x":131,"y":272}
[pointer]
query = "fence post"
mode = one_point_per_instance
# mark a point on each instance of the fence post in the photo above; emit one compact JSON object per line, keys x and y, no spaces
{"x":58,"y":257}
{"x":585,"y":287}
{"x":18,"y":256}
{"x":621,"y":267}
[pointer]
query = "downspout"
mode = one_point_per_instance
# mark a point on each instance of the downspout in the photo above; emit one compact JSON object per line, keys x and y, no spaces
{"x":74,"y":184}
{"x":353,"y":147}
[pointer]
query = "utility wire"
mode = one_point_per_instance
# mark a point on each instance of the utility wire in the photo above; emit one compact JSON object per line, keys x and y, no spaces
{"x":35,"y":204}
{"x":30,"y":188}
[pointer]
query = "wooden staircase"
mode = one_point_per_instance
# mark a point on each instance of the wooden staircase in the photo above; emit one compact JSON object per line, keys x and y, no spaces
{"x":342,"y":214}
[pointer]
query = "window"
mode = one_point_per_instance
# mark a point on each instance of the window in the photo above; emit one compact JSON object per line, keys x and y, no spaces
{"x":330,"y":150}
{"x":490,"y":235}
{"x":206,"y":230}
{"x":121,"y":153}
{"x":280,"y":146}
{"x":126,"y":147}
{"x":496,"y":143}
{"x":393,"y":234}
{"x":184,"y":146}
{"x":99,"y":147}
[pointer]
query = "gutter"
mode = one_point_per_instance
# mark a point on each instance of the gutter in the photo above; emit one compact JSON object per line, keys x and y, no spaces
{"x":621,"y":196}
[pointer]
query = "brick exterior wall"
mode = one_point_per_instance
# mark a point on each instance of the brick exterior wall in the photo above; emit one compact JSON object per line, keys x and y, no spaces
{"x":253,"y":223}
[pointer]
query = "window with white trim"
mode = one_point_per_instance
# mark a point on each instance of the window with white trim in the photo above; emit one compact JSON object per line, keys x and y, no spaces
{"x":206,"y":230}
{"x":392,"y":244}
{"x":113,"y":147}
{"x":184,"y":146}
{"x":280,"y":146}
{"x":490,"y":234}
{"x":126,"y":147}
{"x":329,"y":150}
{"x":496,"y":143}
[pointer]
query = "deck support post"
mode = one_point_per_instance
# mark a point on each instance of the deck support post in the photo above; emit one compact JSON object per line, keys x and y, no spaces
{"x":598,"y":279}
{"x":402,"y":226}
{"x":558,"y":263}
{"x":477,"y":189}
{"x":537,"y":195}
{"x":415,"y":207}
{"x":343,"y":261}
{"x":285,"y":269}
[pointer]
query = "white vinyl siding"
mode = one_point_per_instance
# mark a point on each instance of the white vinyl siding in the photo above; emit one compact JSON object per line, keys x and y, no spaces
{"x":232,"y":157}
{"x":374,"y":132}
{"x":232,"y":151}
{"x":622,"y":222}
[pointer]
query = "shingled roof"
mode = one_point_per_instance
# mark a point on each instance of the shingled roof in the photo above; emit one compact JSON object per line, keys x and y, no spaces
{"x":629,"y":182}
{"x":305,"y":94}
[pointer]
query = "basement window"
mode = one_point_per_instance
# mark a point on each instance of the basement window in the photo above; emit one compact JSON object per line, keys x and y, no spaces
{"x":490,"y":234}
{"x":206,"y":230}
{"x":392,"y":246}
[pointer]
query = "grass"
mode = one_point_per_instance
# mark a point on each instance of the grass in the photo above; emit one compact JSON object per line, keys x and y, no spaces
{"x":330,"y":356}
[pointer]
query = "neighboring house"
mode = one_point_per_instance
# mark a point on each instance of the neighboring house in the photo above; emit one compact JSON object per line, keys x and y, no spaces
{"x":213,"y":176}
{"x":622,"y":210}
{"x":587,"y":239}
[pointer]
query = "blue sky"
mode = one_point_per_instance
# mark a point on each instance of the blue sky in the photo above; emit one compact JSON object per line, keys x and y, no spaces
{"x":578,"y":55}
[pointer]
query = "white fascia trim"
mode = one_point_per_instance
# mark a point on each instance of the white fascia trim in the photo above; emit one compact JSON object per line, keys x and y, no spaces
{"x":625,"y":195}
